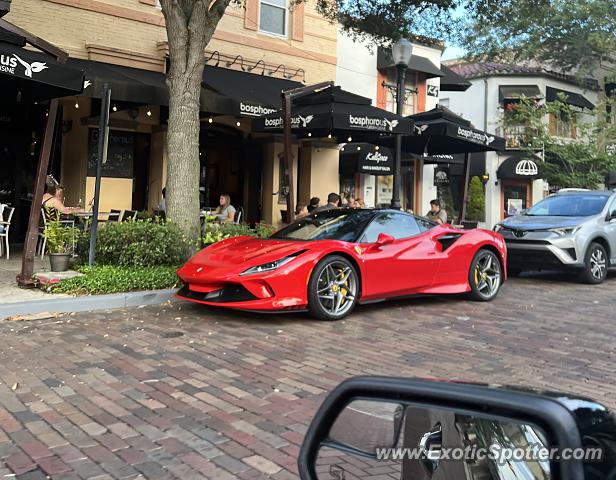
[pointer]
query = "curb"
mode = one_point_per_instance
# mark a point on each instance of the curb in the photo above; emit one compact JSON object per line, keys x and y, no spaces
{"x":88,"y":303}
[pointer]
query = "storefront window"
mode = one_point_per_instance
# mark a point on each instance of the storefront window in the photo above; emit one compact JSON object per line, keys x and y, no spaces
{"x":384,"y":189}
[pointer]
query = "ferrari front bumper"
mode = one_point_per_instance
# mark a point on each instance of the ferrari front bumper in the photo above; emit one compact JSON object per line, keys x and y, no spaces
{"x":278,"y":290}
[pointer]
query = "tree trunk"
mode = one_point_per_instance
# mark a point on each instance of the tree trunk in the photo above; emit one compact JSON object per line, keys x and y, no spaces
{"x":183,"y":153}
{"x":190,"y":25}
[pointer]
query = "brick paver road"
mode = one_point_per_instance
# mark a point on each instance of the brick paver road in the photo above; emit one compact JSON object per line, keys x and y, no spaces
{"x":187,"y":392}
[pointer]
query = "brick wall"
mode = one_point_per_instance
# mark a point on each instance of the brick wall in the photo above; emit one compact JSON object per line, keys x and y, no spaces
{"x":136,"y":28}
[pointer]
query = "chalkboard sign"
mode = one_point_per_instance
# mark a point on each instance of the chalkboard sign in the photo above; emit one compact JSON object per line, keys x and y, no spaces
{"x":120,"y":154}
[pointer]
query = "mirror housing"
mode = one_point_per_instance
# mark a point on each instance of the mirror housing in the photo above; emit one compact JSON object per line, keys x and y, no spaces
{"x":610,"y":216}
{"x":384,"y":239}
{"x":553,"y":415}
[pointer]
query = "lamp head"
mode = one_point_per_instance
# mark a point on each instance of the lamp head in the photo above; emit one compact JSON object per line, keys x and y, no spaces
{"x":401,"y":52}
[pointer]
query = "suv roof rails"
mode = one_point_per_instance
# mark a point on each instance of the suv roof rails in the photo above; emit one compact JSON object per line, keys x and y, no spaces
{"x":573,"y":190}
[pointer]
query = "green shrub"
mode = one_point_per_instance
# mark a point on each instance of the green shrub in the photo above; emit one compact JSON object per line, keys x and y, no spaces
{"x":60,"y":239}
{"x":476,"y":201}
{"x":264,"y":230}
{"x":109,"y":279}
{"x":214,"y":232}
{"x":140,"y":244}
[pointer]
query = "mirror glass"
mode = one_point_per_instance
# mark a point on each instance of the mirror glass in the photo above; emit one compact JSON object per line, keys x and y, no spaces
{"x":383,"y":440}
{"x":365,"y":424}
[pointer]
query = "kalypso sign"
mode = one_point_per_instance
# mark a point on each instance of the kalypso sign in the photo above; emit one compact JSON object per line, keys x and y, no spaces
{"x":377,"y":162}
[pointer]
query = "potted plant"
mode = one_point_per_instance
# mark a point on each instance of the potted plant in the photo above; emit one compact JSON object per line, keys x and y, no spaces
{"x":60,"y":244}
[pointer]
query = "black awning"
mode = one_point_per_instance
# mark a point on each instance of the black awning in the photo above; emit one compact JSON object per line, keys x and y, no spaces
{"x":366,"y":158}
{"x":452,"y":82}
{"x":32,"y":76}
{"x":246,"y":94}
{"x":455,"y":162}
{"x":510,"y":92}
{"x":575,"y":99}
{"x":520,"y":165}
{"x":127,"y":84}
{"x":417,"y":63}
{"x":330,"y":112}
{"x":441,"y":132}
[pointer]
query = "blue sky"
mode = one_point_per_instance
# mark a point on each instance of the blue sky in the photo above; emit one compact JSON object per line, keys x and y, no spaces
{"x":452,"y":52}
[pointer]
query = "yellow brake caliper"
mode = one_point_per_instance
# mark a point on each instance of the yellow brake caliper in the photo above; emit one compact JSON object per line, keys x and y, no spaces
{"x":343,"y":289}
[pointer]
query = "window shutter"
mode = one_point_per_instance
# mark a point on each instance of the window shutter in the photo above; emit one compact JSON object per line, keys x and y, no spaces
{"x":552,"y":123}
{"x":251,"y":21}
{"x":298,"y":22}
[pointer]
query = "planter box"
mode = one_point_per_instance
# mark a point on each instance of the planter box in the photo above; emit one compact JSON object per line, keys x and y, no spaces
{"x":59,"y":261}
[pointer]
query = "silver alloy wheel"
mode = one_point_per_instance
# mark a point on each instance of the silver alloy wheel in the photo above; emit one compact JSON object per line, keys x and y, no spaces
{"x":487,"y":275}
{"x":598,"y":264}
{"x":337,"y":288}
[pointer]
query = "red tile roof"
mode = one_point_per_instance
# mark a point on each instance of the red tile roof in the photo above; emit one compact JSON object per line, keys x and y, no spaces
{"x":482,"y":69}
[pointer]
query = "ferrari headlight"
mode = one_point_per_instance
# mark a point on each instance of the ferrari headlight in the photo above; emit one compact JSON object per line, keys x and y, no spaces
{"x":566,"y":230}
{"x":268,"y":267}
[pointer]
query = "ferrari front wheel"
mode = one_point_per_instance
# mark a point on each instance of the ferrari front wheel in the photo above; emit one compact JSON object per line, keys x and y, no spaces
{"x":333,"y":288}
{"x":485,"y":276}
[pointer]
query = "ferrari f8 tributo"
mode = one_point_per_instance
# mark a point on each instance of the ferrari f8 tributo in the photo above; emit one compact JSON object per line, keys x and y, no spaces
{"x":329,"y":261}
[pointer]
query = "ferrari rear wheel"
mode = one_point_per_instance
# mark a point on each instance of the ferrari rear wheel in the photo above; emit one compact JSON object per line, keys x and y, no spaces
{"x":333,"y":288}
{"x":485,"y":276}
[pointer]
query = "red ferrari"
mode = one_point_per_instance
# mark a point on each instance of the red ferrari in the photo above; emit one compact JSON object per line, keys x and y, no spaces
{"x":329,"y":261}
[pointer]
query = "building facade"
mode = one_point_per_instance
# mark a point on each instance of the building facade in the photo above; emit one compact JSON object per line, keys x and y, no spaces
{"x":514,"y":177}
{"x":256,"y":52}
{"x":366,"y":69}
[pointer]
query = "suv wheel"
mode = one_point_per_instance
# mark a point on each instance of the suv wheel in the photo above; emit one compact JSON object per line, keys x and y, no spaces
{"x":595,"y":264}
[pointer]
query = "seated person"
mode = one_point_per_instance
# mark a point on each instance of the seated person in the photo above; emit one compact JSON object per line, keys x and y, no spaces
{"x":314,"y":204}
{"x":436,"y":214}
{"x":225,"y":212}
{"x":53,"y":202}
{"x":301,"y":210}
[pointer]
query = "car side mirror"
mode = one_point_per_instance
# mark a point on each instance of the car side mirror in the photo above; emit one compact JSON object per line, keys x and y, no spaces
{"x":610,"y":216}
{"x":413,"y":428}
{"x":384,"y":239}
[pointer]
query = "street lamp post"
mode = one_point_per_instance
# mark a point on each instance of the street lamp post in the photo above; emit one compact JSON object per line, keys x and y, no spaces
{"x":401,"y":53}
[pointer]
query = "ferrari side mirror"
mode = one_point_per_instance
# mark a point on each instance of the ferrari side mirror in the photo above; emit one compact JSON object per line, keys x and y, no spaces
{"x":412,"y":428}
{"x":384,"y":239}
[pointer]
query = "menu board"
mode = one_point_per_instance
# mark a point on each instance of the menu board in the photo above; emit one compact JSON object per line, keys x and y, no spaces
{"x":120,"y":154}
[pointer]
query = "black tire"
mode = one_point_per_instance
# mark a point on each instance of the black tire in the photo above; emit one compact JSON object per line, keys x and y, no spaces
{"x":595,"y":264}
{"x":322,"y":285}
{"x":485,"y":276}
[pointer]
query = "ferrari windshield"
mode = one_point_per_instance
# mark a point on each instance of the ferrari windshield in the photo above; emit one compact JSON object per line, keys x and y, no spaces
{"x":582,"y":205}
{"x":335,"y":224}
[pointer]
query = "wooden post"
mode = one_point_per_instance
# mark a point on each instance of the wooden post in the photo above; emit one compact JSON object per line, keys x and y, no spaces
{"x":288,"y":156}
{"x":467,"y":177}
{"x":24,"y":279}
{"x":287,"y":103}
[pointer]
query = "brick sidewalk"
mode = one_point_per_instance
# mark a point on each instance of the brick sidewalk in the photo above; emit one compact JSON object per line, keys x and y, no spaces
{"x":187,"y":392}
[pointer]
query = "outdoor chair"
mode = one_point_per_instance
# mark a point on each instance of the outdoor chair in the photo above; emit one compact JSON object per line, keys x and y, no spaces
{"x":239,"y":215}
{"x":114,"y":215}
{"x":46,"y":216}
{"x":5,"y":225}
{"x":128,"y":215}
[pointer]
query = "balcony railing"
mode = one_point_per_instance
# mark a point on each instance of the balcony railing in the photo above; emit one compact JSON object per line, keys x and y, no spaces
{"x":517,"y":137}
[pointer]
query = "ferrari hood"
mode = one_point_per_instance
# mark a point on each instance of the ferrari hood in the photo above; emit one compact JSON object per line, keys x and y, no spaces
{"x":248,"y":251}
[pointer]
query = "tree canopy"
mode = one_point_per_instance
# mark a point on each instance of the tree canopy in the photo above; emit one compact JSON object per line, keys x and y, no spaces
{"x":575,"y":35}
